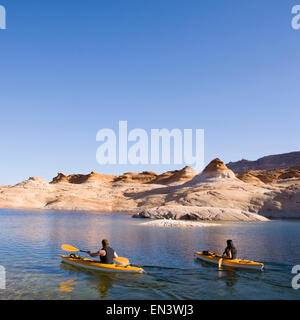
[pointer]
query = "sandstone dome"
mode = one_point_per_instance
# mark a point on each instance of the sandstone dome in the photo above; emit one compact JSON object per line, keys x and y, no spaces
{"x":215,"y":170}
{"x":177,"y":176}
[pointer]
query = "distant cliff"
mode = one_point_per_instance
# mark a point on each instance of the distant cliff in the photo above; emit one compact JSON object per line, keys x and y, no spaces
{"x":277,"y":161}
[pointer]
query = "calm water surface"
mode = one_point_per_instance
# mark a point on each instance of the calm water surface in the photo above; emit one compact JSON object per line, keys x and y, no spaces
{"x":30,"y":251}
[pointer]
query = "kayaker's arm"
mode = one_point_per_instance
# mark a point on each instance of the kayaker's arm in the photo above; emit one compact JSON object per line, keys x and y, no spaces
{"x":227,"y":254}
{"x":96,"y":254}
{"x":101,"y":253}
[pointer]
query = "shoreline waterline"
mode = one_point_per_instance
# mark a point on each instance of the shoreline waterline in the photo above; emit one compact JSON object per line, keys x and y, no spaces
{"x":131,"y":213}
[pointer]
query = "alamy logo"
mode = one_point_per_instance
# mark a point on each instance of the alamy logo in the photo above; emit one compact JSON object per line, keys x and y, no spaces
{"x":296,"y":18}
{"x":296,"y":279}
{"x":2,"y":278}
{"x":156,"y":150}
{"x":2,"y":17}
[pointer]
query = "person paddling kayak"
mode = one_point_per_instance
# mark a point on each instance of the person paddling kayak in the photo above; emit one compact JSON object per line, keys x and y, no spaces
{"x":106,"y":254}
{"x":230,"y":251}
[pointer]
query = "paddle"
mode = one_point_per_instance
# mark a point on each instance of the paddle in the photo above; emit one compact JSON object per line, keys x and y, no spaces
{"x":220,"y":263}
{"x":67,"y":247}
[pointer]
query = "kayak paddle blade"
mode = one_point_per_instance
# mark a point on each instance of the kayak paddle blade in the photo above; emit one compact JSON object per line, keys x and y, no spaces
{"x":122,"y":260}
{"x":69,"y":248}
{"x":220,"y":264}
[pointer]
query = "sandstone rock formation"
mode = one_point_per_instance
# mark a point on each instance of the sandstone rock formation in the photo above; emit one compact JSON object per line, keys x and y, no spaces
{"x":179,"y":223}
{"x":215,"y":171}
{"x":277,"y":161}
{"x":136,"y":177}
{"x":248,"y":177}
{"x":214,"y":194}
{"x":270,"y":176}
{"x":198,"y":214}
{"x":82,"y":178}
{"x":171,"y":177}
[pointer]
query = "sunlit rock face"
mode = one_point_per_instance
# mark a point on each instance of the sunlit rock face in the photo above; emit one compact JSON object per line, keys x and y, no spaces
{"x":169,"y":177}
{"x":248,"y":177}
{"x":215,"y":194}
{"x":136,"y":177}
{"x":215,"y":171}
{"x":176,"y":176}
{"x":93,"y":177}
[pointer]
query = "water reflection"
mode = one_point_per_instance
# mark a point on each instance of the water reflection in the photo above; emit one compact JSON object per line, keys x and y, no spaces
{"x":30,"y":247}
{"x":102,"y":282}
{"x":66,"y":286}
{"x":229,"y":276}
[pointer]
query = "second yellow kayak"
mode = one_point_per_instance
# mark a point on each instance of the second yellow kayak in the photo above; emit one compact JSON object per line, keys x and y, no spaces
{"x":234,"y":263}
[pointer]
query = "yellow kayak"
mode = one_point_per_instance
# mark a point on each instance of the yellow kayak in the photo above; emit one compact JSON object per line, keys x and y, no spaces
{"x":95,"y":265}
{"x":234,"y":263}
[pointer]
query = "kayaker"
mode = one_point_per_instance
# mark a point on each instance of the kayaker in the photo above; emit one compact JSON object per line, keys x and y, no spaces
{"x":230,"y":251}
{"x":106,"y":254}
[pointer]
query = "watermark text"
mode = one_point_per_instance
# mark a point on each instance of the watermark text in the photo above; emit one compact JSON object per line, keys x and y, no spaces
{"x":164,"y":146}
{"x":296,"y":278}
{"x":2,"y":278}
{"x":2,"y":18}
{"x":296,"y":18}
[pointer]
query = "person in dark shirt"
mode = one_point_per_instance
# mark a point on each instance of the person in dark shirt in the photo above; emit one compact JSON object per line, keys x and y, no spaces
{"x":106,"y":254}
{"x":230,"y":251}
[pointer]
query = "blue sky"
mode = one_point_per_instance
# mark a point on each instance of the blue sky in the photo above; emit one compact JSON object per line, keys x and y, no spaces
{"x":70,"y":68}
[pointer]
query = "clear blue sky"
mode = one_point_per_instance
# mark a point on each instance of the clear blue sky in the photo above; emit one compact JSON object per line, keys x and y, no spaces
{"x":70,"y":68}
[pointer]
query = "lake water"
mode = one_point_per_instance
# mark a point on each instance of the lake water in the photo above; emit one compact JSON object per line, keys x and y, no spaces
{"x":30,"y":252}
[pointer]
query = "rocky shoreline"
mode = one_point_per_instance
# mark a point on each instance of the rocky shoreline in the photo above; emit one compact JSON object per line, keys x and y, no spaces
{"x":198,"y":214}
{"x":216,"y":194}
